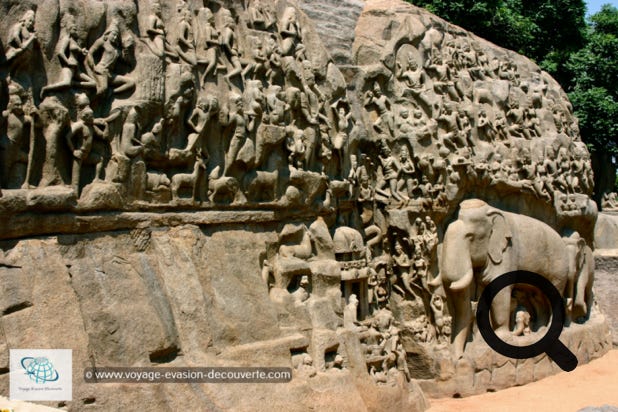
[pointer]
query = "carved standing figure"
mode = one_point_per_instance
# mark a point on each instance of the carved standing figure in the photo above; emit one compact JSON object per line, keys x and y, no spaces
{"x":237,"y":120}
{"x":80,"y":140}
{"x":18,"y":130}
{"x":384,"y":122}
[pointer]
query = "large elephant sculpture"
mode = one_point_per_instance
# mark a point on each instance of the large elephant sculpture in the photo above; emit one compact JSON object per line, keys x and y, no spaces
{"x":581,"y":277}
{"x":484,"y":243}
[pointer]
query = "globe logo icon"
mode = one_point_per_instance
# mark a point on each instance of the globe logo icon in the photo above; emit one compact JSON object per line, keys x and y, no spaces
{"x":39,"y":370}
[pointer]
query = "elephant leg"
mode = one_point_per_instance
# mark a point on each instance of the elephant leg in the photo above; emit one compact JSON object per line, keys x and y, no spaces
{"x":583,"y":297}
{"x":501,"y":311}
{"x":462,"y":320}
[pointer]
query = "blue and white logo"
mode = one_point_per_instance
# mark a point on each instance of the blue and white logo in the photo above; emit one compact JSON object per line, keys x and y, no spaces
{"x":41,"y":374}
{"x":39,"y":370}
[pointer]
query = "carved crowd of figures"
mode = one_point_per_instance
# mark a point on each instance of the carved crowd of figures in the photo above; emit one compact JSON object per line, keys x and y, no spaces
{"x":227,"y":105}
{"x":215,"y":98}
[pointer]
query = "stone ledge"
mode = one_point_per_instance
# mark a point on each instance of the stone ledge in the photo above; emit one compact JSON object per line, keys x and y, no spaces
{"x":483,"y":370}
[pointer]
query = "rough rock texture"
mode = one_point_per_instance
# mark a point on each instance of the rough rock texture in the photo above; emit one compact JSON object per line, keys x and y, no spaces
{"x":175,"y":297}
{"x":335,"y":21}
{"x":606,"y":231}
{"x":605,"y":286}
{"x":230,"y":183}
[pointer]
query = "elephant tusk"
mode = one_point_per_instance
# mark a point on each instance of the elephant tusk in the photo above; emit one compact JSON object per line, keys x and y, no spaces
{"x":464,"y":282}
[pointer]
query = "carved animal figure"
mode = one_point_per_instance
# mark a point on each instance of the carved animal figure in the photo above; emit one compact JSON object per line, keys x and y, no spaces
{"x":157,"y":180}
{"x":222,"y":189}
{"x":581,"y":276}
{"x":189,"y":179}
{"x":484,"y":243}
{"x":261,"y":186}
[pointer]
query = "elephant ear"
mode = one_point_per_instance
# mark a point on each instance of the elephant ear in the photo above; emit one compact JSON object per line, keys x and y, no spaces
{"x":500,"y":236}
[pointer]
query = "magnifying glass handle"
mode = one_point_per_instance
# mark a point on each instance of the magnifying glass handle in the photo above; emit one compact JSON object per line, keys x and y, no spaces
{"x":562,"y":356}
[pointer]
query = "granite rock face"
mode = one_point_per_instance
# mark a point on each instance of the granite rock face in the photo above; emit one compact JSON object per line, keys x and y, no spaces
{"x":224,"y":183}
{"x":335,"y":22}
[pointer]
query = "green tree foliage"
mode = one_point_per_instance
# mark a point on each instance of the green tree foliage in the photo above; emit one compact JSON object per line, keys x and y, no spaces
{"x":582,"y":57}
{"x":594,"y":86}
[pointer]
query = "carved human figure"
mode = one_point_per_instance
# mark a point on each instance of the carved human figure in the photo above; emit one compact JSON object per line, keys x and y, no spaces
{"x":108,"y":49}
{"x":342,"y":124}
{"x":312,"y":98}
{"x":515,"y":117}
{"x":390,"y":173}
{"x":421,"y":266}
{"x":199,"y":118}
{"x":292,"y":35}
{"x":485,"y":128}
{"x":21,"y":40}
{"x":501,"y":126}
{"x":537,"y":90}
{"x":256,"y":65}
{"x":465,"y":129}
{"x":408,"y":172}
{"x":403,"y":265}
{"x":229,"y":44}
{"x":207,"y":47}
{"x":443,"y":82}
{"x":52,"y":118}
{"x":522,"y":322}
{"x":404,"y":126}
{"x":130,"y":144}
{"x":260,"y":16}
{"x":384,"y":123}
{"x":19,"y":127}
{"x":276,"y":106}
{"x":437,"y":309}
{"x":156,"y":40}
{"x":562,"y":180}
{"x":413,"y":77}
{"x":185,"y":41}
{"x":577,"y":171}
{"x":350,"y":316}
{"x":69,"y":54}
{"x":448,"y":121}
{"x":532,"y":124}
{"x":151,"y":141}
{"x":236,"y":120}
{"x":273,"y":59}
{"x":423,"y":131}
{"x":296,"y":145}
{"x":80,"y":139}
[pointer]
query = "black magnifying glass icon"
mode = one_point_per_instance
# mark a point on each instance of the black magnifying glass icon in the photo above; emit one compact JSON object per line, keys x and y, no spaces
{"x":549,"y":344}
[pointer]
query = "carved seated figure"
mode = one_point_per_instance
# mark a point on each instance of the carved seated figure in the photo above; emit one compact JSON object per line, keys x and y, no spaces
{"x":522,"y":322}
{"x":293,"y":250}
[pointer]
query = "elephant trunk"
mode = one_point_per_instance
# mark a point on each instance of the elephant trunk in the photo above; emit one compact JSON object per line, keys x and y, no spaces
{"x":456,"y":266}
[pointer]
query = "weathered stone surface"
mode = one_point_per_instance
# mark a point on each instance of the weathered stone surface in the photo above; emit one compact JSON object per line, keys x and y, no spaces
{"x":605,"y":283}
{"x":335,"y":22}
{"x":242,"y":184}
{"x":606,"y":232}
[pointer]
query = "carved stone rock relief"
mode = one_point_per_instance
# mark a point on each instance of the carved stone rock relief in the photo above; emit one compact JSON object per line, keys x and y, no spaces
{"x":217,"y":112}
